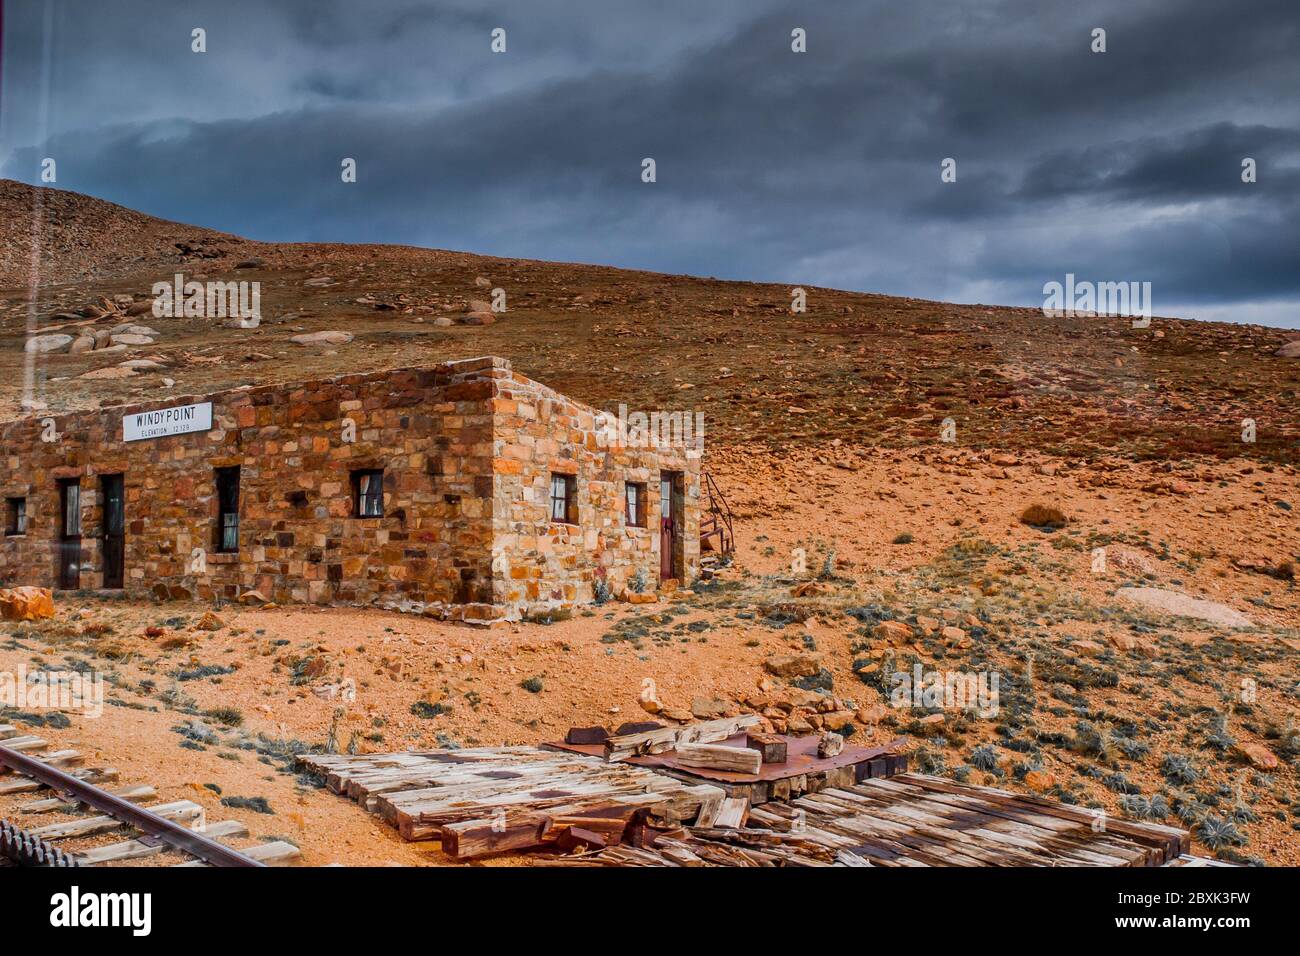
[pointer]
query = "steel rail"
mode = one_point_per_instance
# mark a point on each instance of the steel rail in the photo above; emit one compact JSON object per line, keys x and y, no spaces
{"x":149,"y":823}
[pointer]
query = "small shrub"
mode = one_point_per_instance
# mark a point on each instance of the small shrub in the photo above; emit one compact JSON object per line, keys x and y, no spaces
{"x":1219,"y":738}
{"x":985,"y":758}
{"x":1217,"y":833}
{"x":226,"y":715}
{"x":428,"y":711}
{"x":256,"y":804}
{"x":904,"y":538}
{"x":533,"y":685}
{"x":1179,"y":769}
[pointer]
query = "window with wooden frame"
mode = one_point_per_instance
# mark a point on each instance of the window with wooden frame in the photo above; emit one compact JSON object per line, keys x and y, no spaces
{"x":228,"y":510}
{"x":635,"y":498}
{"x":564,"y":498}
{"x":368,"y":493}
{"x":16,"y":516}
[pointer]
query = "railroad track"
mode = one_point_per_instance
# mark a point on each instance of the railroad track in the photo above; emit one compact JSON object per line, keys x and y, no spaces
{"x":89,"y":820}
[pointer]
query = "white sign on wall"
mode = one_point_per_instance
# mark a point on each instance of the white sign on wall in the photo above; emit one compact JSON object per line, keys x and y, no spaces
{"x":167,"y":421}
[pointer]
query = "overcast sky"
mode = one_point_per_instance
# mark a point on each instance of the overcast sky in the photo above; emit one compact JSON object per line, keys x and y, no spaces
{"x":817,"y":168}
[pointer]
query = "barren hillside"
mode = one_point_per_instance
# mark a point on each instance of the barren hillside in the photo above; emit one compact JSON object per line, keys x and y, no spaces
{"x":853,"y":370}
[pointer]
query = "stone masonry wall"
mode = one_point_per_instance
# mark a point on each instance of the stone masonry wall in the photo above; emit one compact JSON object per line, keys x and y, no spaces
{"x":467,"y":449}
{"x":429,"y":429}
{"x":540,"y":563}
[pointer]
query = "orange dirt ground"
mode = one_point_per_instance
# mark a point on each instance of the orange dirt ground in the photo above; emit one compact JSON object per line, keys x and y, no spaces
{"x":1037,"y":591}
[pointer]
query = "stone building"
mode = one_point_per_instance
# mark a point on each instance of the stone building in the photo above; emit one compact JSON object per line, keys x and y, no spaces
{"x":465,"y":490}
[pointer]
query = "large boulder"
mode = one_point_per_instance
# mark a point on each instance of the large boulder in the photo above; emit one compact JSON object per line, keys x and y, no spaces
{"x":322,"y":338}
{"x":792,"y":665}
{"x":26,"y":604}
{"x":44,"y":344}
{"x":131,"y":338}
{"x":1290,"y":350}
{"x":1182,"y":605}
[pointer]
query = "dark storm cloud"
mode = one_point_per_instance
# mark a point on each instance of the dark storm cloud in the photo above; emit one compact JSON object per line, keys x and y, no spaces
{"x":820,"y":168}
{"x":1196,"y":164}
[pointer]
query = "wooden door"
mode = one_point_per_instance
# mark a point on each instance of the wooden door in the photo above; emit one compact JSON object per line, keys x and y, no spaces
{"x":114,"y":530}
{"x":69,"y":540}
{"x":668,"y":530}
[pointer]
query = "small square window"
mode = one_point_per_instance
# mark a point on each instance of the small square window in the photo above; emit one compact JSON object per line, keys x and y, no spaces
{"x":635,"y":496}
{"x":564,"y":499}
{"x":368,"y":493}
{"x":16,"y":522}
{"x":228,"y":510}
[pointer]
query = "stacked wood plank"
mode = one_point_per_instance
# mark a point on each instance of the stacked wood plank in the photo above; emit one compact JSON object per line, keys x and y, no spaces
{"x":663,"y":739}
{"x":907,"y":820}
{"x":491,"y":800}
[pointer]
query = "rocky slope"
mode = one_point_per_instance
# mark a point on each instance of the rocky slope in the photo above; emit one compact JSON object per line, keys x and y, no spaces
{"x":853,"y":370}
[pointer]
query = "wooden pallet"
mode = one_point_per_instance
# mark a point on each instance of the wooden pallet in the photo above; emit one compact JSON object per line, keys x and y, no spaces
{"x":907,"y":820}
{"x":80,"y":834}
{"x":492,"y":800}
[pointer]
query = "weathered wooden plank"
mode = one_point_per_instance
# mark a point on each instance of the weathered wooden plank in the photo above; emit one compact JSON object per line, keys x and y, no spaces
{"x":184,"y":810}
{"x":773,"y":747}
{"x":224,"y":831}
{"x":27,"y":785}
{"x":276,"y":853}
{"x":136,"y":794}
{"x":733,"y":814}
{"x":668,"y":738}
{"x":718,"y":757}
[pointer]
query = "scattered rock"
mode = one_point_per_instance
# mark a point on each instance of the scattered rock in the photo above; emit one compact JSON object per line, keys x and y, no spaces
{"x":209,"y":622}
{"x":830,"y":745}
{"x":895,"y":632}
{"x":1259,"y":756}
{"x":113,"y":371}
{"x":1128,"y":560}
{"x":792,"y":665}
{"x":322,"y":338}
{"x":1039,"y":780}
{"x":26,"y":604}
{"x":705,"y":708}
{"x":48,"y":344}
